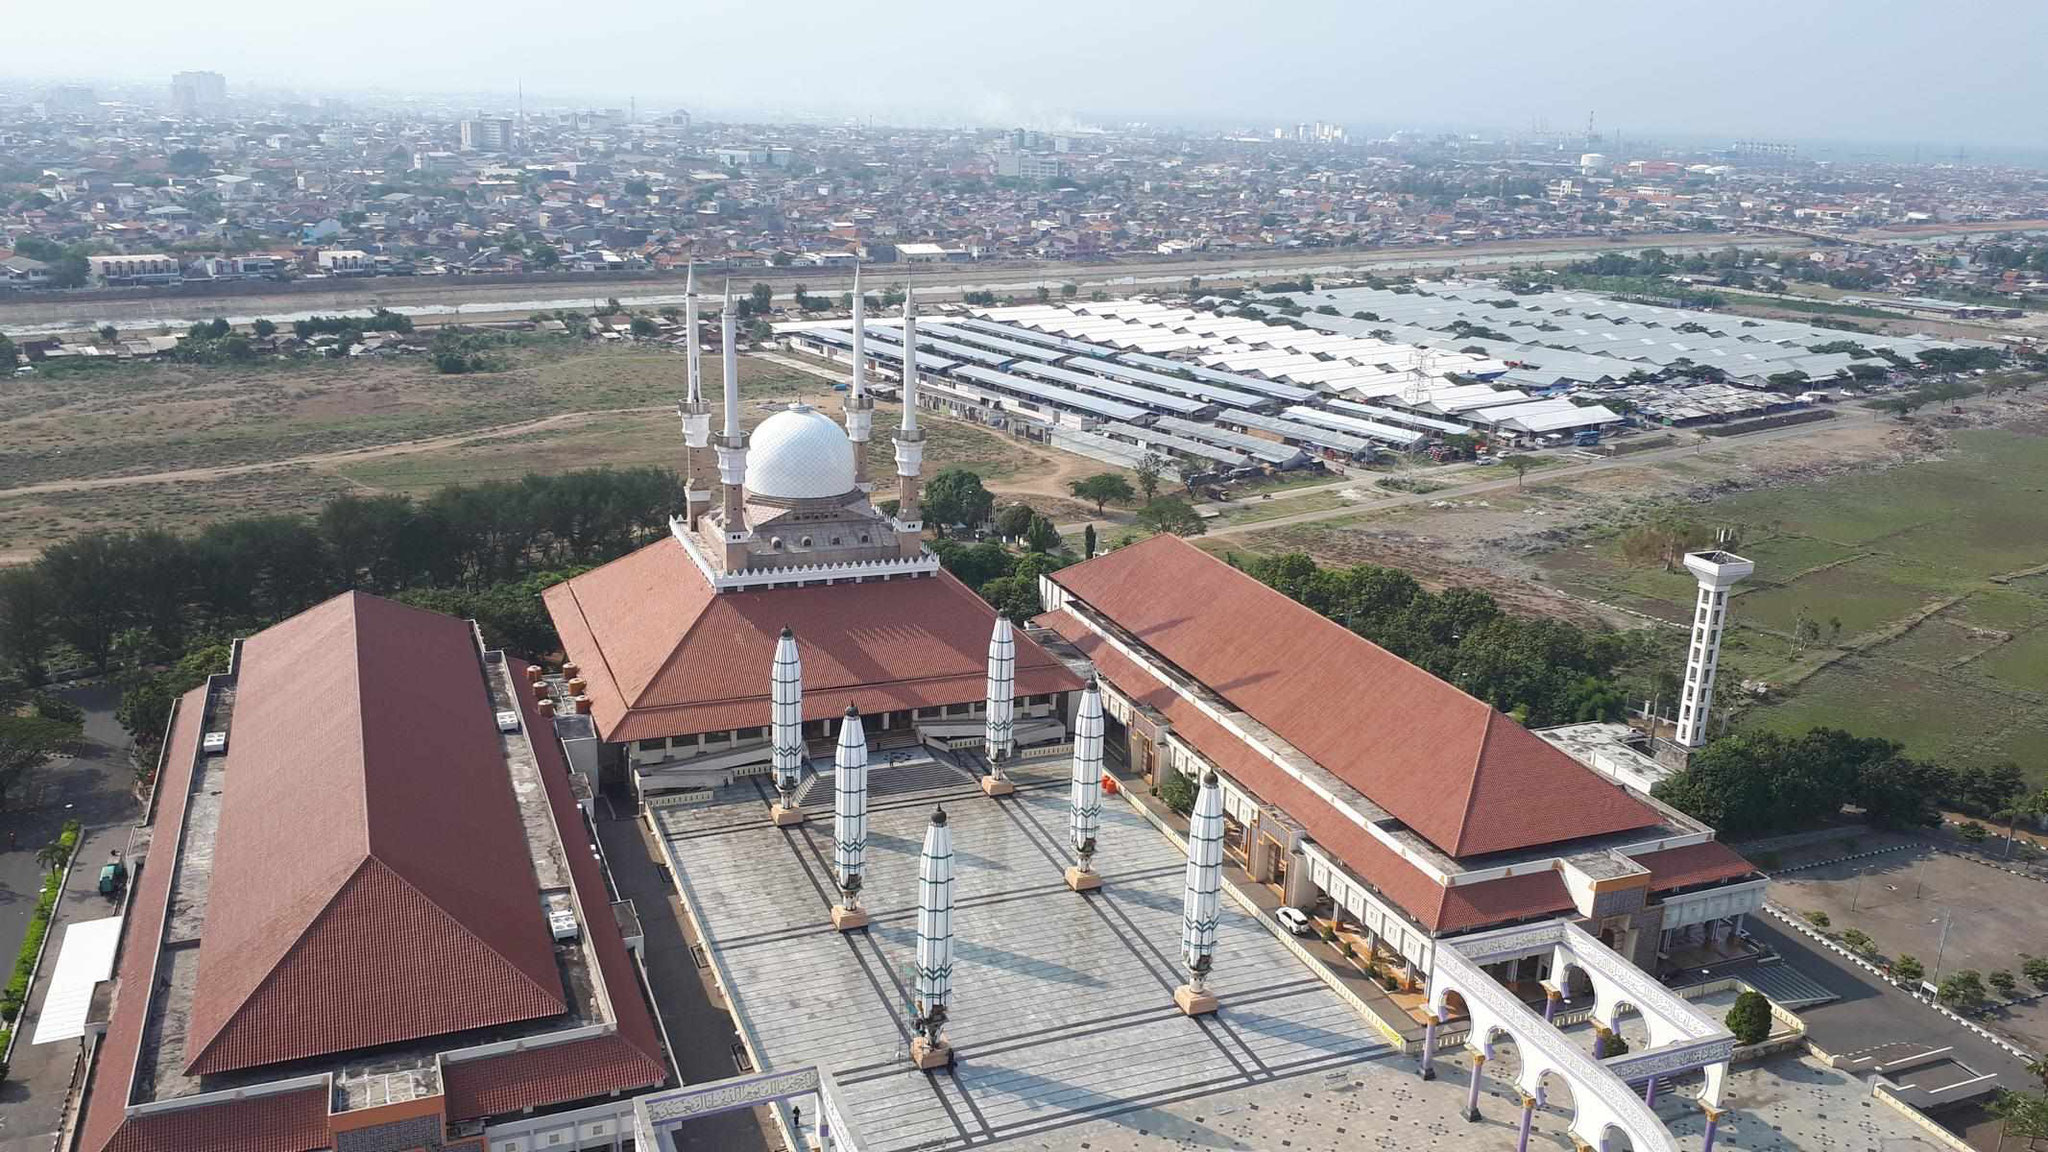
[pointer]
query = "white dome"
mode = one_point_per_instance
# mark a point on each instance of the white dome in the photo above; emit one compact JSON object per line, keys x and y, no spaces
{"x":799,"y":454}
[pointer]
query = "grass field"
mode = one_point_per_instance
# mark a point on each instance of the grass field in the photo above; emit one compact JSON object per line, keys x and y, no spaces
{"x":1949,"y":539}
{"x":283,"y":437}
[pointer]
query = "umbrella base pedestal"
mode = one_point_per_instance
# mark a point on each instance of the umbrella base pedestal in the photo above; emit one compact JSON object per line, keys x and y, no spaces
{"x":785,"y":817}
{"x":927,"y":1055}
{"x":847,"y":919}
{"x":1083,"y":879}
{"x":1193,"y":1003}
{"x":997,"y":786}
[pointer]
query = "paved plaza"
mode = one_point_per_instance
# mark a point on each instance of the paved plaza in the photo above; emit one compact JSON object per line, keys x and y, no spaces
{"x":1066,"y":1034}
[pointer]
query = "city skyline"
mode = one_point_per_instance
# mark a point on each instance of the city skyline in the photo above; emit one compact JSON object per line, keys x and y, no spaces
{"x":1815,"y":73}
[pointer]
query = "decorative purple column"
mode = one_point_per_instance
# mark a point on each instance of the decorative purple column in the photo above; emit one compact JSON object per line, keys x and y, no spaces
{"x":1428,"y":1044}
{"x":1650,"y":1093}
{"x":1472,"y":1093}
{"x":1550,"y":999}
{"x":1528,"y":1118}
{"x":1599,"y":1041}
{"x":1713,"y":1123}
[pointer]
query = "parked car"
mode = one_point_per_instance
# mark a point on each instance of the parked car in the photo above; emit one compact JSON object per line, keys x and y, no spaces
{"x":1294,"y":920}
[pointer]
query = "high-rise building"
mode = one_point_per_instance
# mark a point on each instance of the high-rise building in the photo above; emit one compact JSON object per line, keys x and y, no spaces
{"x":487,"y":134}
{"x":196,"y":92}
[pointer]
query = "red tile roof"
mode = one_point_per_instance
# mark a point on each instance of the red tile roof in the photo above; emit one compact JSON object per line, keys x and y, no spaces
{"x":1706,"y":863}
{"x":664,"y":655}
{"x":539,"y":1077}
{"x":285,"y":1122}
{"x":1434,"y":906}
{"x":114,"y":1065}
{"x":371,"y":879}
{"x":1468,"y":779}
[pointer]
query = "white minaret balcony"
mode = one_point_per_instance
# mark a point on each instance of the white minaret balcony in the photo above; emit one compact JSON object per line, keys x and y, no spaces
{"x":910,"y":456}
{"x":732,"y":463}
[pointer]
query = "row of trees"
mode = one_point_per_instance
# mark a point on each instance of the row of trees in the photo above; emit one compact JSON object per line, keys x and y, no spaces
{"x":1758,"y":783}
{"x":145,"y":596}
{"x":1541,"y":670}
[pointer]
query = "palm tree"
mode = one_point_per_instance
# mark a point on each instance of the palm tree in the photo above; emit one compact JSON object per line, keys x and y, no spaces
{"x":53,"y":856}
{"x":2031,"y":805}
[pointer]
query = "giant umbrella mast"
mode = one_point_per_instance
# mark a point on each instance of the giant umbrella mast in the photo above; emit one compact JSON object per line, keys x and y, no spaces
{"x":999,"y":731}
{"x":850,"y":820}
{"x":1084,"y":802}
{"x":1201,"y":903}
{"x":934,"y":984}
{"x":786,"y":728}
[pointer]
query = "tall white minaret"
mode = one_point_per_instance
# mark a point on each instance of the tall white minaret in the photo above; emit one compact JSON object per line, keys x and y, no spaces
{"x":860,"y":407}
{"x":732,"y":448}
{"x":695,"y":410}
{"x":909,"y":441}
{"x":1717,"y":571}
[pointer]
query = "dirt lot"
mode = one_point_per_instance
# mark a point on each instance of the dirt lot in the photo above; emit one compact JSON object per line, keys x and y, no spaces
{"x":173,"y":446}
{"x":1918,"y":902}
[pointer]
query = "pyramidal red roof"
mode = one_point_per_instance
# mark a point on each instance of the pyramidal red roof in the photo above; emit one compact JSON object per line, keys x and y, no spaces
{"x":664,"y":654}
{"x":1462,"y":775}
{"x":371,"y":880}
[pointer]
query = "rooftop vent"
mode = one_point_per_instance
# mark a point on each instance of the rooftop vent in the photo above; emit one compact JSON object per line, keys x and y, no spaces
{"x":508,"y":721}
{"x":214,"y":742}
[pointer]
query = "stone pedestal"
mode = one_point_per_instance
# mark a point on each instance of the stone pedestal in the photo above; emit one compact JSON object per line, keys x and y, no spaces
{"x":997,"y":786}
{"x":927,"y":1055}
{"x":784,"y":817}
{"x":847,"y":919}
{"x":1193,"y":1003}
{"x":1083,"y":879}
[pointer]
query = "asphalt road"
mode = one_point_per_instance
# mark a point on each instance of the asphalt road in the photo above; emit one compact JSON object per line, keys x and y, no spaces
{"x":1873,"y":1013}
{"x":700,"y":1031}
{"x":93,"y":788}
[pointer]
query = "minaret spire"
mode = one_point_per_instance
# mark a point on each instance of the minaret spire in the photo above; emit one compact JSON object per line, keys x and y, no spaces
{"x":909,"y":441}
{"x":732,"y":448}
{"x":695,"y":411}
{"x":860,"y":407}
{"x":850,"y":820}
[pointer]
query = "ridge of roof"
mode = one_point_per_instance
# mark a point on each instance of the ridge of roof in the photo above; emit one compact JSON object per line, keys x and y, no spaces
{"x":1445,"y":763}
{"x":340,"y":711}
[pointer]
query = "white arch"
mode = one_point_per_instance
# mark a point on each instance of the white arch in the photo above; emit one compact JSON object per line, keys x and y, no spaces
{"x":1601,"y":1100}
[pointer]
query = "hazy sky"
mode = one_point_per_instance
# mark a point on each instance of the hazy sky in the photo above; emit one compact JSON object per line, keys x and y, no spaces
{"x":1936,"y":71}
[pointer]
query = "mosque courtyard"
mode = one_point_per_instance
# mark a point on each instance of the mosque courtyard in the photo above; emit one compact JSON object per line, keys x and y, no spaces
{"x":1063,"y":1023}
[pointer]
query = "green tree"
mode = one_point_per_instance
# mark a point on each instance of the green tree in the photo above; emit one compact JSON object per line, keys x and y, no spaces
{"x":1178,"y":792}
{"x":2035,"y":969}
{"x":1172,"y":514}
{"x":1102,"y":488}
{"x":1014,"y":596}
{"x":1087,"y":540}
{"x":2022,"y":1115}
{"x":28,"y":606}
{"x":1044,"y":294}
{"x":1041,"y":535}
{"x":1858,"y":941}
{"x":10,"y":356}
{"x":1963,"y":991}
{"x":1148,"y":471}
{"x":1909,"y":969}
{"x":1521,"y":466}
{"x":642,"y":327}
{"x":1749,"y":1018}
{"x":762,"y":297}
{"x":957,"y":496}
{"x":26,"y":744}
{"x":1069,"y":290}
{"x":2003,"y":983}
{"x":1818,"y":919}
{"x":1014,"y":520}
{"x":264,"y":328}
